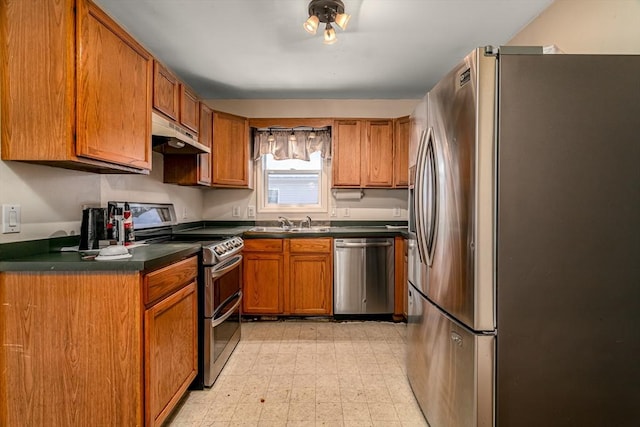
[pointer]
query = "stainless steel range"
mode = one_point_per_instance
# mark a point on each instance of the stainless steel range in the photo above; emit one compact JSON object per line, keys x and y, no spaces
{"x":222,"y":270}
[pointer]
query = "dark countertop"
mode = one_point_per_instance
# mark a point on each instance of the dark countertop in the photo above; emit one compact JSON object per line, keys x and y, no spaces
{"x":146,"y":257}
{"x":213,"y":232}
{"x":335,"y":232}
{"x":45,"y":256}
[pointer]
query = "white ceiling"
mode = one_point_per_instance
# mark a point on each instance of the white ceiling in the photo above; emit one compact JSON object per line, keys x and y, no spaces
{"x":257,"y":49}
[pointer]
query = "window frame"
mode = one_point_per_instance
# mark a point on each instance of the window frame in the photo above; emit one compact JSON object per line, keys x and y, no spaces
{"x":261,"y":192}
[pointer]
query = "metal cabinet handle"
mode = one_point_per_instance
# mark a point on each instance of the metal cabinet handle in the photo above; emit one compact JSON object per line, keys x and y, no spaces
{"x":219,"y":273}
{"x":364,"y":245}
{"x":228,"y":314}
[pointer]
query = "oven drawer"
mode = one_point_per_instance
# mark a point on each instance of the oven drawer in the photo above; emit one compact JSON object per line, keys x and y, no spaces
{"x":165,"y":281}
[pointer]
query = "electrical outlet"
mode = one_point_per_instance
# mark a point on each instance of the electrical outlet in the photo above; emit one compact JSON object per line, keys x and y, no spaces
{"x":396,"y":211}
{"x":235,"y":211}
{"x":347,"y":212}
{"x":251,"y":211}
{"x":10,"y":219}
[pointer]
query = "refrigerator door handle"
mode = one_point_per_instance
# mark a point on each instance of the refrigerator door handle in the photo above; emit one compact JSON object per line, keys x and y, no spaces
{"x":429,"y":236}
{"x":418,"y":202}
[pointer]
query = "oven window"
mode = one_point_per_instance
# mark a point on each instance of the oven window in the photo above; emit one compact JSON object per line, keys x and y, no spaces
{"x":225,"y":287}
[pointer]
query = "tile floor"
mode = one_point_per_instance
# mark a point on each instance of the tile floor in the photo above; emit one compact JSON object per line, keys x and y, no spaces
{"x":308,"y":373}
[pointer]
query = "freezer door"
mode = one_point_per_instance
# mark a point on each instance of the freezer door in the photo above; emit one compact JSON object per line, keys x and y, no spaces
{"x":450,"y":369}
{"x":461,"y":125}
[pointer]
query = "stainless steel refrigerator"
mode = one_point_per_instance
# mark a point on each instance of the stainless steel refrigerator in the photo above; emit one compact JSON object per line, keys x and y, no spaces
{"x":524,"y":306}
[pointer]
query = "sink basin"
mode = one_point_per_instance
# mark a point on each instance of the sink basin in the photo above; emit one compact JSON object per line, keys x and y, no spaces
{"x":291,"y":230}
{"x":309,"y":230}
{"x":267,"y":230}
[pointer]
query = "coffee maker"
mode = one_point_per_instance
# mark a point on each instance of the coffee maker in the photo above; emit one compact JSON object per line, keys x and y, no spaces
{"x":93,"y":229}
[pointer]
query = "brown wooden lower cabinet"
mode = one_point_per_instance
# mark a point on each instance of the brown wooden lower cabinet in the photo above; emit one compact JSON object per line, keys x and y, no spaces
{"x":171,"y":356}
{"x":262,"y":289}
{"x":96,"y":348}
{"x":310,"y":277}
{"x":288,"y":277}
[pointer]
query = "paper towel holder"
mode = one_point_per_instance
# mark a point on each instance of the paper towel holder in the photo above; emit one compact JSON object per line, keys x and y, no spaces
{"x":348,"y":194}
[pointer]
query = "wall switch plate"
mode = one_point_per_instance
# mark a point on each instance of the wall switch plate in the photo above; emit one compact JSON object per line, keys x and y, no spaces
{"x":185,"y":213}
{"x":347,"y":212}
{"x":10,"y":218}
{"x":333,"y":211}
{"x":251,"y":211}
{"x":235,"y":211}
{"x":396,"y":211}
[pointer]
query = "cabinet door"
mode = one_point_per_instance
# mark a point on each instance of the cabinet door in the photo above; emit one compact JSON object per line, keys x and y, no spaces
{"x":401,"y":153}
{"x":171,"y":352}
{"x":166,"y":91}
{"x":230,"y":151}
{"x":263,"y":283}
{"x":346,"y":153}
{"x":189,"y":109}
{"x":310,"y":284}
{"x":113,"y":113}
{"x":205,"y":138}
{"x":377,"y":164}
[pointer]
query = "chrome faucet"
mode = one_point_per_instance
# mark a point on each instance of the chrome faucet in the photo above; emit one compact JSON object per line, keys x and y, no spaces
{"x":285,"y":223}
{"x":306,"y":220}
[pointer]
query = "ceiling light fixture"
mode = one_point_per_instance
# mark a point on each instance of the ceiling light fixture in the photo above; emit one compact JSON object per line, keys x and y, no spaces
{"x":326,"y":11}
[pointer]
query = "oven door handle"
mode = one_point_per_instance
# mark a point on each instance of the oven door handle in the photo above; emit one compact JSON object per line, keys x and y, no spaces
{"x":215,"y":274}
{"x":228,"y":314}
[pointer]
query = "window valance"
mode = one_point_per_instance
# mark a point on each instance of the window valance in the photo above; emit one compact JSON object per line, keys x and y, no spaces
{"x":292,"y":144}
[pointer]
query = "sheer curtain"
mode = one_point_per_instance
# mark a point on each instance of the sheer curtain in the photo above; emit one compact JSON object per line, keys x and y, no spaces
{"x":282,"y":147}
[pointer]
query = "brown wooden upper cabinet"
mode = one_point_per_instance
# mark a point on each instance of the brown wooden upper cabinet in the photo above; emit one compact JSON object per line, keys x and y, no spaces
{"x":346,"y":153}
{"x":377,"y":150}
{"x":230,"y":151}
{"x":175,"y":100}
{"x":66,"y":103}
{"x":401,"y":152}
{"x":189,"y":109}
{"x":363,"y":153}
{"x":166,"y":91}
{"x":206,"y":138}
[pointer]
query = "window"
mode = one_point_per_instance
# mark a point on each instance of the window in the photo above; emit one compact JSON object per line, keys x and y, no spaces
{"x":292,"y":185}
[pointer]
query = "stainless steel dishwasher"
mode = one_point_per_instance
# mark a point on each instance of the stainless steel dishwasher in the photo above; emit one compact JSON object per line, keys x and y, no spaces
{"x":363,"y":276}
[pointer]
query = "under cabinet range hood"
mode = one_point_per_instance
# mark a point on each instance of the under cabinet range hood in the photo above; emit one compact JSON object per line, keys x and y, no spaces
{"x":170,"y":138}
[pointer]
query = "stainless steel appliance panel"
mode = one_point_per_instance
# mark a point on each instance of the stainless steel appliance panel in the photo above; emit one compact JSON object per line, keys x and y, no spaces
{"x":451,"y":246}
{"x":568,"y":241}
{"x":221,"y":321}
{"x":450,"y":368}
{"x":363,"y":276}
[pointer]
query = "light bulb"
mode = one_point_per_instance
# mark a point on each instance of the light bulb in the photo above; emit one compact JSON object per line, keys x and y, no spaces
{"x":342,"y":19}
{"x":311,"y":24}
{"x":329,"y":35}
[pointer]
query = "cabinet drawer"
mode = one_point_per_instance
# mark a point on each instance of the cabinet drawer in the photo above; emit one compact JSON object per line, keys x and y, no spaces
{"x":263,"y":245}
{"x":167,"y":280}
{"x":322,"y":245}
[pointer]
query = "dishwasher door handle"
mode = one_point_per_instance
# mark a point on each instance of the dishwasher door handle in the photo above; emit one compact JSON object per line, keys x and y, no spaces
{"x":364,"y":245}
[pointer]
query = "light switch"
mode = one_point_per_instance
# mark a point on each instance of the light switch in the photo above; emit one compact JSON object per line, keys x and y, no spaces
{"x":10,"y":218}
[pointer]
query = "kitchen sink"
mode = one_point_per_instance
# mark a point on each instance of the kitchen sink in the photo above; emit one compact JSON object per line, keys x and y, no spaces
{"x":290,"y":230}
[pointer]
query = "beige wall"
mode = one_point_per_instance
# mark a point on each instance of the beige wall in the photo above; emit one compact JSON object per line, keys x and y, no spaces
{"x":586,"y":26}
